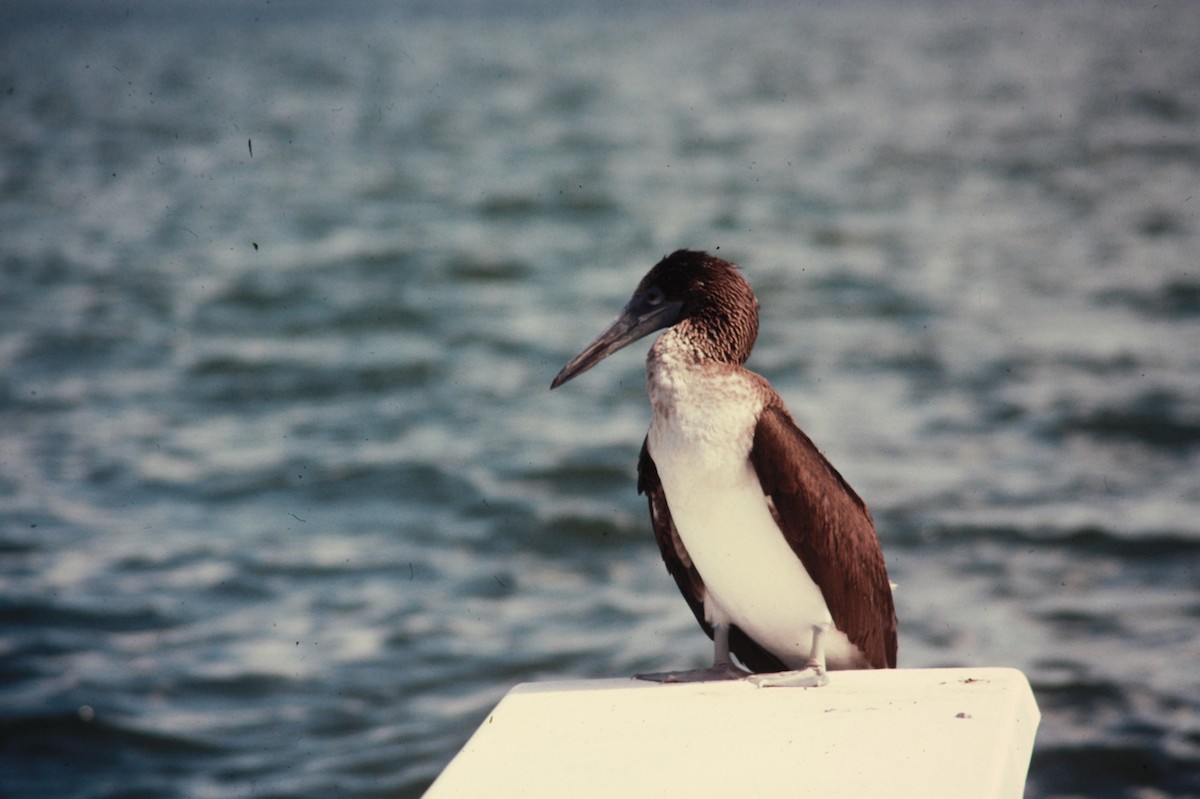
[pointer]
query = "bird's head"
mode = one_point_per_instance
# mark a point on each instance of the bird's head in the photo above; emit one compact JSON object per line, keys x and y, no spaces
{"x":687,"y":287}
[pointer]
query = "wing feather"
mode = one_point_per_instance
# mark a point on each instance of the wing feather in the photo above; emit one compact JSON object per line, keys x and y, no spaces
{"x":830,"y":529}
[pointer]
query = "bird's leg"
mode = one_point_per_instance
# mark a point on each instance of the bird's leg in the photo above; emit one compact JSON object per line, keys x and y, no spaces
{"x":723,"y":667}
{"x":811,"y":676}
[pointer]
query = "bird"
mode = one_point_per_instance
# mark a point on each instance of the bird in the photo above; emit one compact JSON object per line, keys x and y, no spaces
{"x":775,"y":553}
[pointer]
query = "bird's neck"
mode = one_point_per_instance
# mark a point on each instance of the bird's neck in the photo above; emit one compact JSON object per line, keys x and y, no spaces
{"x":688,"y":387}
{"x":677,"y":360}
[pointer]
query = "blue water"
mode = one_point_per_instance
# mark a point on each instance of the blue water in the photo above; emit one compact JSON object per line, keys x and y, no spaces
{"x":286,"y":506}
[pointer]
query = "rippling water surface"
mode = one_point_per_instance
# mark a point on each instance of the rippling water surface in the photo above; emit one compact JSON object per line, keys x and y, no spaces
{"x":285,"y":505}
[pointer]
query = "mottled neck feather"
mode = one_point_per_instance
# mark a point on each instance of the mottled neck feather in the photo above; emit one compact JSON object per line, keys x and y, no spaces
{"x":728,"y":322}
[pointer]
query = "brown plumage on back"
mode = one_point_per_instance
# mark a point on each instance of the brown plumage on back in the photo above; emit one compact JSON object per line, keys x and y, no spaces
{"x":830,"y":529}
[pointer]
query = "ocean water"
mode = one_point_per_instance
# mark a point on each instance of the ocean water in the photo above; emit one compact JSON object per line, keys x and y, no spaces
{"x":286,"y":505}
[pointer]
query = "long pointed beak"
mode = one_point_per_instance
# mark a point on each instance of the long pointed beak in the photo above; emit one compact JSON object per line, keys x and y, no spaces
{"x":636,"y":321}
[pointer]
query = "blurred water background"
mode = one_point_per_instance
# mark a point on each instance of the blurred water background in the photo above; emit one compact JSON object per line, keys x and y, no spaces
{"x":286,"y":506}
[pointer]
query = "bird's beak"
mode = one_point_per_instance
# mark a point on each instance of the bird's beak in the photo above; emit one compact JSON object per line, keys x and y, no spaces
{"x":638,"y":319}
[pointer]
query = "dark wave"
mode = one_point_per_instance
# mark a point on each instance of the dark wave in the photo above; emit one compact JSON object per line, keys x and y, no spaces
{"x":42,"y":615}
{"x":89,"y":754}
{"x":1157,"y":419}
{"x":1104,"y":770}
{"x":230,"y":379}
{"x":1144,"y":547}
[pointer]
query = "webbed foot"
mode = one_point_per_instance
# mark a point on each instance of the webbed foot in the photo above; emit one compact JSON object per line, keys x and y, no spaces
{"x":810,"y":677}
{"x":714,"y":673}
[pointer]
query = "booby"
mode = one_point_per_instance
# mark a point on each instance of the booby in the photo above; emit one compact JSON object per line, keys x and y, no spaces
{"x":774,"y":552}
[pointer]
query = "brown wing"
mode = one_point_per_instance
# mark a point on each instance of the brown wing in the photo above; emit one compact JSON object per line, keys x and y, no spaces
{"x":679,"y":565}
{"x":830,"y":530}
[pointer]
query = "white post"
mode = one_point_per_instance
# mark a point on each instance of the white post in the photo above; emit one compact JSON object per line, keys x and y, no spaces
{"x":950,"y":733}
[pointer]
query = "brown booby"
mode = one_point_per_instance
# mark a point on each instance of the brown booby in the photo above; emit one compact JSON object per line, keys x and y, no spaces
{"x":774,"y":552}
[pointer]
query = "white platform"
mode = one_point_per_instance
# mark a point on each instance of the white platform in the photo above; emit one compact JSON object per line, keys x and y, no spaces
{"x":951,"y":733}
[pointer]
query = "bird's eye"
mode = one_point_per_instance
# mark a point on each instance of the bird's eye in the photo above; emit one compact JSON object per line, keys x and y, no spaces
{"x":654,"y":295}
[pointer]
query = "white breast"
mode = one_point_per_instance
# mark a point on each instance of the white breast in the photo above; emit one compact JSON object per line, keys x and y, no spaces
{"x":700,"y":436}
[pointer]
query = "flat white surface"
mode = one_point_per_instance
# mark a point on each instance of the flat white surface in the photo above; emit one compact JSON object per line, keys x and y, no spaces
{"x":895,"y":733}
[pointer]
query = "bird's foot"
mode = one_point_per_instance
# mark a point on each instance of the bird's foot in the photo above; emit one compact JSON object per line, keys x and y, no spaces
{"x":714,"y":673}
{"x":809,"y":677}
